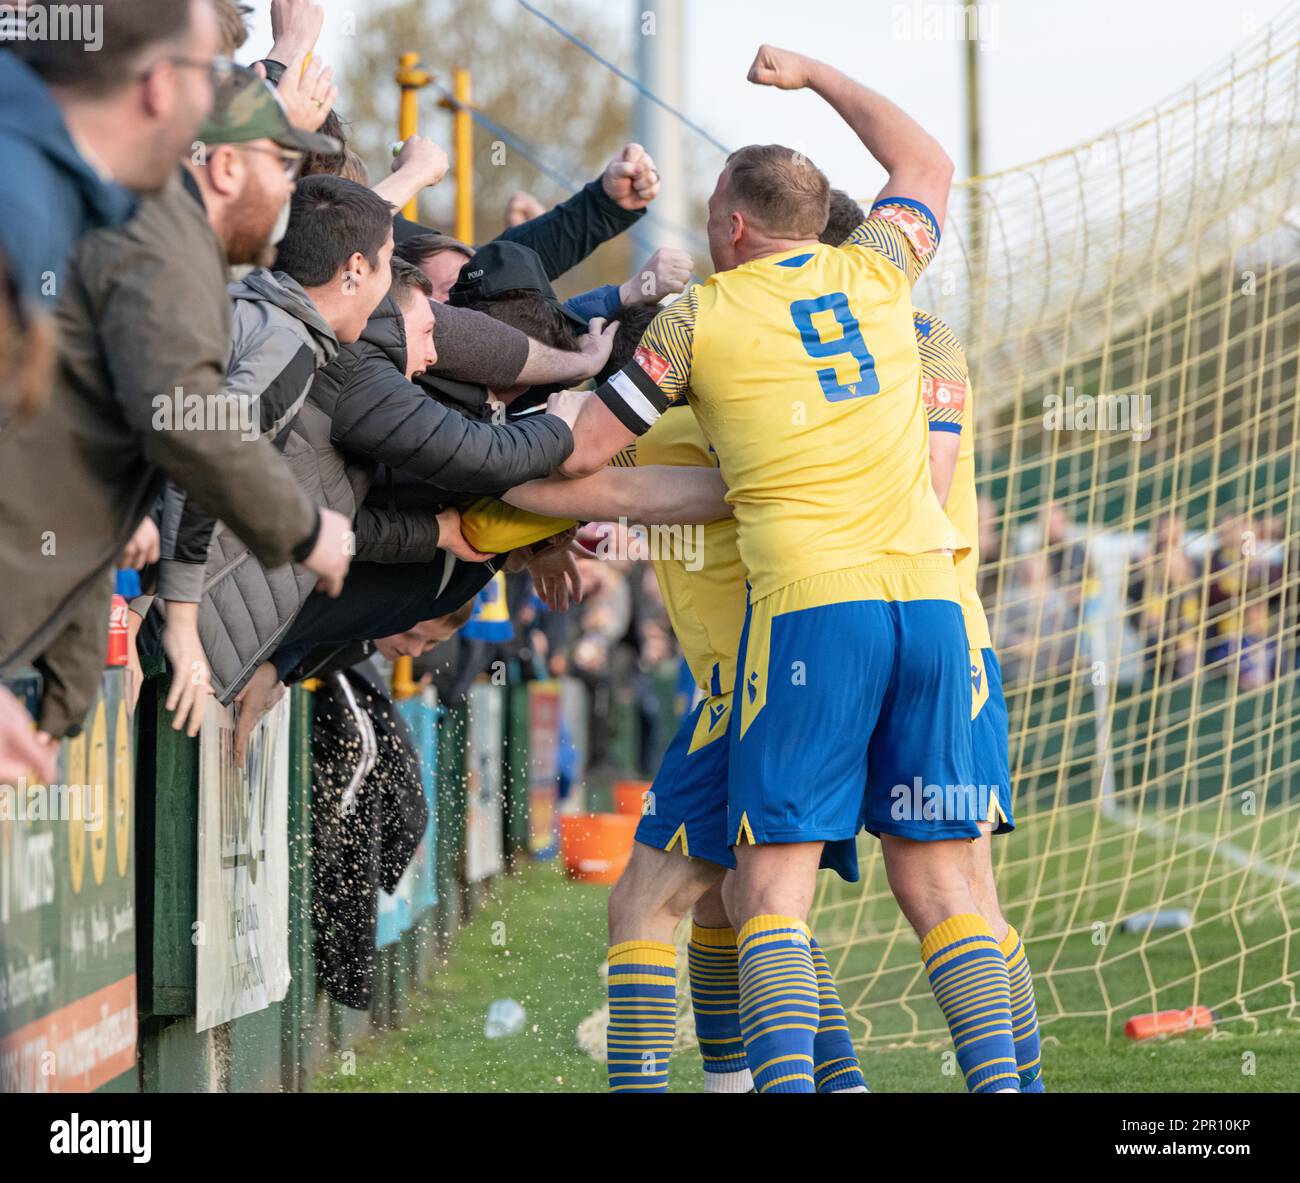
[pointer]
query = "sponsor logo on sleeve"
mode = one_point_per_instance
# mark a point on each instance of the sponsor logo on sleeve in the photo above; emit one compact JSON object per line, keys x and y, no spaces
{"x":653,"y":364}
{"x":911,"y":224}
{"x":942,"y":395}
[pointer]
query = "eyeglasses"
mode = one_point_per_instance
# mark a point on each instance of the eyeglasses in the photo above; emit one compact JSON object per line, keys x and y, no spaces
{"x":291,"y":159}
{"x":218,"y":69}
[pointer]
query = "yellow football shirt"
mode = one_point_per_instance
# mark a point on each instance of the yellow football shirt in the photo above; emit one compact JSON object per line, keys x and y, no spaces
{"x":703,"y":585}
{"x":706,"y":606}
{"x":803,"y":370}
{"x":949,"y":405}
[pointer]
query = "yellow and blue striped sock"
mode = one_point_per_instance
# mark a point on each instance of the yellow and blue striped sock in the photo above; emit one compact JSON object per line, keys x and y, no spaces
{"x":713,"y":966}
{"x":642,"y":1015}
{"x":778,"y":1003}
{"x":969,"y":977}
{"x":1024,"y":1015}
{"x":837,"y":1067}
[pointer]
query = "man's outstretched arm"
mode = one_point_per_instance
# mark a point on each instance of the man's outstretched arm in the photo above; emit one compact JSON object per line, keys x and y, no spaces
{"x":918,"y":166}
{"x":657,"y":495}
{"x":475,"y":347}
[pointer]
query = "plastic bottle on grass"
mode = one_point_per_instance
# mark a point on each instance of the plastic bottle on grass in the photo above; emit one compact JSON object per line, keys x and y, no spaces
{"x":1154,"y":921}
{"x":505,"y":1017}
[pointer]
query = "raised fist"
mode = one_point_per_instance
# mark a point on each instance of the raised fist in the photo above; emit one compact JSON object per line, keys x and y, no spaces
{"x":781,"y":68}
{"x":631,"y":179}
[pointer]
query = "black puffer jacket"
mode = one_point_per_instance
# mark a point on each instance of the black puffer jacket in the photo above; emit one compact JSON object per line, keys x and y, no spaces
{"x":379,"y":419}
{"x":246,"y":608}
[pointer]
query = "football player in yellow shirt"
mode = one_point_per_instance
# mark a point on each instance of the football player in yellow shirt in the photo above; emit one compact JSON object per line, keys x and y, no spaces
{"x":801,"y":363}
{"x":682,"y":844}
{"x":948,"y":397}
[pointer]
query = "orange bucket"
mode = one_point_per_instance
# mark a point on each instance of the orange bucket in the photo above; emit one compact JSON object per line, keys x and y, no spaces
{"x":629,"y":796}
{"x":595,"y":847}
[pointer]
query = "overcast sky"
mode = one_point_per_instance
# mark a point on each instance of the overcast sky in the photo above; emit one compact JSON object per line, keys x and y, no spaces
{"x":1054,"y":72}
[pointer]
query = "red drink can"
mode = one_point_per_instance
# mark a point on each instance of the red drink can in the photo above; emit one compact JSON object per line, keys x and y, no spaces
{"x":119,"y":636}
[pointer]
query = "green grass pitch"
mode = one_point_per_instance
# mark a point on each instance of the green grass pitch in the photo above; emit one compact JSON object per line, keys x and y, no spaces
{"x":1240,"y":958}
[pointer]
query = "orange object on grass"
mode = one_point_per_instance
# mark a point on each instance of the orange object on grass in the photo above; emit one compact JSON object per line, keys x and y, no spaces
{"x":1169,"y":1022}
{"x":595,"y":847}
{"x":629,"y":796}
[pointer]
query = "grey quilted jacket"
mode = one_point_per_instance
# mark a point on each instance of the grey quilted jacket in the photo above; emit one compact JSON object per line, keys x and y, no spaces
{"x":279,"y":341}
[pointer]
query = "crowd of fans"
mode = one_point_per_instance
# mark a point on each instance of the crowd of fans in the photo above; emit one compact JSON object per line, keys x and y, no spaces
{"x":1214,"y":603}
{"x":239,"y":389}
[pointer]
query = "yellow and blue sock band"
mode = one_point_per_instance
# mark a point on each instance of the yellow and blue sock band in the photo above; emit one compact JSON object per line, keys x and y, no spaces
{"x":969,"y":977}
{"x":642,"y":991}
{"x":713,"y":968}
{"x":779,"y":1003}
{"x":837,"y":1064}
{"x":1024,"y":1015}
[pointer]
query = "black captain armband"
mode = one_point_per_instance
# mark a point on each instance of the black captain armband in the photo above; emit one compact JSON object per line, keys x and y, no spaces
{"x":634,"y":397}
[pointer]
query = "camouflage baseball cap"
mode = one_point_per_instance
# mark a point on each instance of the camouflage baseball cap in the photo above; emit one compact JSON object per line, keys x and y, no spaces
{"x":246,"y":109}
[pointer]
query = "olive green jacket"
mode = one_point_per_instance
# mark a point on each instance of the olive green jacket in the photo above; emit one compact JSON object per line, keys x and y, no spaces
{"x":144,"y":322}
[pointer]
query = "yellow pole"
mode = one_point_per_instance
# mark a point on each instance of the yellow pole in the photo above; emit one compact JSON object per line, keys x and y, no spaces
{"x":410,"y":77}
{"x":461,"y":105}
{"x":464,"y":158}
{"x":404,"y":683}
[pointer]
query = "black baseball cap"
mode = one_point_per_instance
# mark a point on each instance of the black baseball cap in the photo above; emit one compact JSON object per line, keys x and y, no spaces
{"x":501,"y":267}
